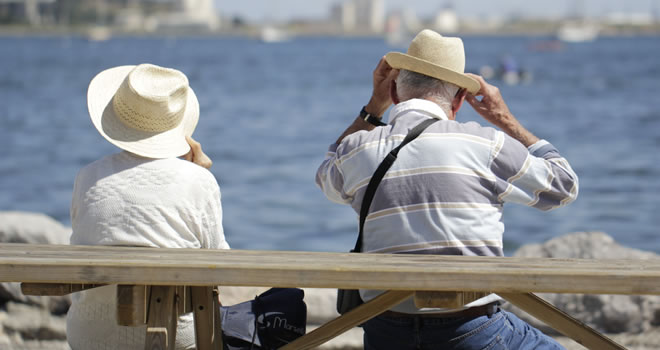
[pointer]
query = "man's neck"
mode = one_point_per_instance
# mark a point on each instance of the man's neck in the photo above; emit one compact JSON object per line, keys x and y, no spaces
{"x":451,"y":115}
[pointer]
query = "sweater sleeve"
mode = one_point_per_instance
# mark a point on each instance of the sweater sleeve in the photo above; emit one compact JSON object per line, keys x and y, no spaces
{"x":537,"y":176}
{"x":212,"y":221}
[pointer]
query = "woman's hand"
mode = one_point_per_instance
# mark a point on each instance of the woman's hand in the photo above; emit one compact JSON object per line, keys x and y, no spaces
{"x":196,"y":155}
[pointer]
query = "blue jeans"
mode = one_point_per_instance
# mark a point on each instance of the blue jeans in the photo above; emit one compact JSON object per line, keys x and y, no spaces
{"x":501,"y":331}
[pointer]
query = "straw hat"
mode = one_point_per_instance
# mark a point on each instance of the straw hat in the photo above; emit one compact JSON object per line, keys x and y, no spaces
{"x":147,"y":110}
{"x":436,"y":56}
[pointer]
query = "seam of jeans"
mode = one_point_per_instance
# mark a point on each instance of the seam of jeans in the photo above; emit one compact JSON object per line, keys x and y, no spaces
{"x":486,"y":324}
{"x":498,"y":341}
{"x":514,"y":329}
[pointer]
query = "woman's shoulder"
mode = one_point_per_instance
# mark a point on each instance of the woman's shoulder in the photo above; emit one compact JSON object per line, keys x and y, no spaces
{"x":185,"y":168}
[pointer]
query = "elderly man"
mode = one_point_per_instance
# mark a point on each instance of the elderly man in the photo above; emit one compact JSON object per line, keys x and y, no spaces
{"x":445,"y":192}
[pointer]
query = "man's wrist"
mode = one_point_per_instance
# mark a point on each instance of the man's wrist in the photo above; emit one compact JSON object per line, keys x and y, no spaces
{"x":516,"y":130}
{"x":370,"y":118}
{"x":376,"y":107}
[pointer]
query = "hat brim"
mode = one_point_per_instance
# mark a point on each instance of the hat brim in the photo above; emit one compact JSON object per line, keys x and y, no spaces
{"x":168,"y":144}
{"x":398,"y":60}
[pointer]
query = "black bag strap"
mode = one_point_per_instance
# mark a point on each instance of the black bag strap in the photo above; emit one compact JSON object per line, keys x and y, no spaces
{"x":380,"y":173}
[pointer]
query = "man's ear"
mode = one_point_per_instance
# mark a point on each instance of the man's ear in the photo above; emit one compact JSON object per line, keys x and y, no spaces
{"x":393,"y":94}
{"x":457,"y":102}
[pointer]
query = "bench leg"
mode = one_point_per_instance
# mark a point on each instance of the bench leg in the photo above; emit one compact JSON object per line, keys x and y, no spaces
{"x":206,"y":312}
{"x":162,"y":318}
{"x":348,"y":320}
{"x":561,"y":321}
{"x":132,"y":305}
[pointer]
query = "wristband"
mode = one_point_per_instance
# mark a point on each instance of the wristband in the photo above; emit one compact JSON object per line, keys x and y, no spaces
{"x":369,"y":118}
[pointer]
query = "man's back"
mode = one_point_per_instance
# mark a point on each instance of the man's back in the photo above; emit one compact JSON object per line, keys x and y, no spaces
{"x":445,"y":192}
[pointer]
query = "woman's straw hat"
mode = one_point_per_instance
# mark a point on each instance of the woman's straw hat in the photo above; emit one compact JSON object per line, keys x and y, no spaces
{"x":436,"y":56}
{"x":147,"y":110}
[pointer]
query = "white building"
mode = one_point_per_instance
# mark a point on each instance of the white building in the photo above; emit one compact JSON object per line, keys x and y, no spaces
{"x":446,"y":21}
{"x":344,"y":14}
{"x":30,"y":9}
{"x":370,"y":15}
{"x":194,"y":15}
{"x":360,"y":15}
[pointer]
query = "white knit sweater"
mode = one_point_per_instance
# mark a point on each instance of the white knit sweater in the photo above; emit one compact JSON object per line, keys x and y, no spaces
{"x":127,"y":200}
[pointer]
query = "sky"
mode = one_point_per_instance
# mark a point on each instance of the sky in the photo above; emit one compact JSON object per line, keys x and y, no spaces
{"x":277,"y":10}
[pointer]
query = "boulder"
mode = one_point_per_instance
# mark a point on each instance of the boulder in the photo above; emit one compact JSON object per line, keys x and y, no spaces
{"x":606,"y":313}
{"x":23,"y":227}
{"x":36,"y":228}
{"x":56,"y":305}
{"x":35,"y":320}
{"x":31,"y":323}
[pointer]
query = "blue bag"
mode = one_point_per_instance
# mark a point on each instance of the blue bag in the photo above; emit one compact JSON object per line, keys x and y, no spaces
{"x":273,"y":319}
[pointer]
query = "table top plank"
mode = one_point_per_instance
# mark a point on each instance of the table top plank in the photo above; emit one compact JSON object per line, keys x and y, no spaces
{"x":161,"y":266}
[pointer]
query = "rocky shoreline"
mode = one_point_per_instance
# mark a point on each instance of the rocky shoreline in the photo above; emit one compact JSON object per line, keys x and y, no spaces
{"x":38,"y":323}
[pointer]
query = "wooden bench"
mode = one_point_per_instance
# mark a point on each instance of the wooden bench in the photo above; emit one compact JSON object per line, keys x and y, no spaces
{"x":160,"y":283}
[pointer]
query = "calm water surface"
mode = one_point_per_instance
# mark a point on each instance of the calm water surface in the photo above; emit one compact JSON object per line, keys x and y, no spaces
{"x":269,"y":112}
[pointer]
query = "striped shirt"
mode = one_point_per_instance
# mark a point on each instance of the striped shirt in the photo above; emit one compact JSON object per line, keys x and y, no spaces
{"x":446,"y":191}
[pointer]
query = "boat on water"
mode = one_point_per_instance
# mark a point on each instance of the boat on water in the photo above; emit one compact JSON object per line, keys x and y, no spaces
{"x":98,"y":33}
{"x":507,"y":71}
{"x":270,"y":34}
{"x":578,"y":32}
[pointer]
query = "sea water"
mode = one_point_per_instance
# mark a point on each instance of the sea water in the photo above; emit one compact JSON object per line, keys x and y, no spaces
{"x":269,"y":112}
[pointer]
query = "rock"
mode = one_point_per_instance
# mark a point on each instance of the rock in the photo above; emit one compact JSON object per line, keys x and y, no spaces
{"x":606,"y":313}
{"x":35,"y":228}
{"x":23,"y":227}
{"x":56,"y":305}
{"x":648,"y":340}
{"x":583,"y":245}
{"x":32,"y":323}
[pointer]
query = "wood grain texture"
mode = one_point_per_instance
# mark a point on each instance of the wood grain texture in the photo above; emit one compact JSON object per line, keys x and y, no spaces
{"x":562,"y":322}
{"x":205,"y":312}
{"x":199,"y":267}
{"x":132,"y":305}
{"x":162,"y":319}
{"x":53,"y":289}
{"x":348,"y":320}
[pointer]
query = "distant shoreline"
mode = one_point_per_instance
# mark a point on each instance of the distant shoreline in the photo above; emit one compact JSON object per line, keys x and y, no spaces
{"x":254,"y":33}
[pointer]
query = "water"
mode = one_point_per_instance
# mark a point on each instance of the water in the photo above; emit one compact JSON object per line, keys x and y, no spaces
{"x":269,"y":111}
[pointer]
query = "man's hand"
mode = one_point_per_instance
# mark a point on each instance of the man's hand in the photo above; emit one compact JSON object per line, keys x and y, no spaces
{"x":493,"y":108}
{"x":380,"y":101}
{"x":380,"y":98}
{"x":196,"y":155}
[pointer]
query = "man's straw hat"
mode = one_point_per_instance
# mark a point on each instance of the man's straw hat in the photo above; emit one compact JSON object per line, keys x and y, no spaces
{"x":147,"y":110}
{"x":436,"y":56}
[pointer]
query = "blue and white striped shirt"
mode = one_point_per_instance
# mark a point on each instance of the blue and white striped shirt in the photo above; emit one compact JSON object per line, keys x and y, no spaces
{"x":446,"y":191}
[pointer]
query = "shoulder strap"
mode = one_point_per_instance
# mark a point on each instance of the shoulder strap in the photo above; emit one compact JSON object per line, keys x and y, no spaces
{"x":380,"y":173}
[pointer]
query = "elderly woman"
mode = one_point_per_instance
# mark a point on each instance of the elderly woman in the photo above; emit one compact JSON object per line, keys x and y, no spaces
{"x":144,"y":195}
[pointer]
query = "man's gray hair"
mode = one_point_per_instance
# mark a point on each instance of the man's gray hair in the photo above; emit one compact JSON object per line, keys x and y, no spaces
{"x":414,"y":85}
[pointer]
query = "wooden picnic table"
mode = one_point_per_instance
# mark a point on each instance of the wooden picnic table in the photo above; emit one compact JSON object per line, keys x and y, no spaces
{"x":61,"y":269}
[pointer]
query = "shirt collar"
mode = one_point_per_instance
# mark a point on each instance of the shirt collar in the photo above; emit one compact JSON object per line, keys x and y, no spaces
{"x":425,"y":107}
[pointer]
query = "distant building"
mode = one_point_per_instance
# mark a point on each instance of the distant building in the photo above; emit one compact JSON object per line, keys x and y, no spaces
{"x":363,"y":16}
{"x":29,"y":11}
{"x":401,"y":26}
{"x":446,"y":21}
{"x":128,"y":15}
{"x":344,"y":15}
{"x":190,"y":15}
